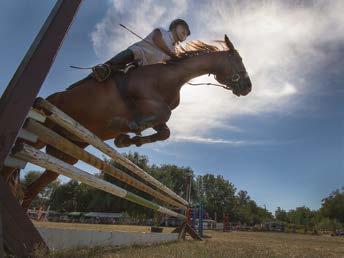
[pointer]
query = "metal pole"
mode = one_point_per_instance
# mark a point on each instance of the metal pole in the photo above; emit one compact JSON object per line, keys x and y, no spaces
{"x":200,"y":220}
{"x":194,"y":210}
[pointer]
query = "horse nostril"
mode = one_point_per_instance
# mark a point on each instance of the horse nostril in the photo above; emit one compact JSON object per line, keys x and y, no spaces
{"x":248,"y":87}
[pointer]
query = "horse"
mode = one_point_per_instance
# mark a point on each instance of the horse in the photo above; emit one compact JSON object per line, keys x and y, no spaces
{"x":140,"y":99}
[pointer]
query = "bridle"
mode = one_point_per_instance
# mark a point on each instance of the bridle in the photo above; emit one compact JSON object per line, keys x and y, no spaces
{"x":233,"y":81}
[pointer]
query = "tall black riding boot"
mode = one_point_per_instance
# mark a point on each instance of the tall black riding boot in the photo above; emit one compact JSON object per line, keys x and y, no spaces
{"x":103,"y":71}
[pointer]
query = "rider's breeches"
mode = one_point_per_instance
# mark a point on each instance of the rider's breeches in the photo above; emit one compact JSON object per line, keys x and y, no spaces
{"x":122,"y":59}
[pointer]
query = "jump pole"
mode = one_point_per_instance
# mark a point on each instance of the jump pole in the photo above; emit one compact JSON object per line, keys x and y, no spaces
{"x":39,"y":158}
{"x":57,"y":141}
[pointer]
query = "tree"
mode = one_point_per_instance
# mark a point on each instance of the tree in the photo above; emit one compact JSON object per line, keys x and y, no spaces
{"x":216,"y":194}
{"x":174,"y":177}
{"x":281,"y":215}
{"x":333,"y":206}
{"x":243,"y":198}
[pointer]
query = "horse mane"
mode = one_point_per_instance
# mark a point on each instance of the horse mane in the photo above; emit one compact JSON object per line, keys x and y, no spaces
{"x":197,"y":47}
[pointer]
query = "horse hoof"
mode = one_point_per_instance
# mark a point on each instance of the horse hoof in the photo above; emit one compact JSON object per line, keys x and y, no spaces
{"x":137,"y":141}
{"x":122,"y":141}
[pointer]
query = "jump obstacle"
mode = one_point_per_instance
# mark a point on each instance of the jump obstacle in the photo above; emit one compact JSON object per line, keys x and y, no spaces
{"x":20,"y":236}
{"x":34,"y":129}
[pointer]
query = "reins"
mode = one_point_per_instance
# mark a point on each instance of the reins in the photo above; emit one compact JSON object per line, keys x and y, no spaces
{"x":208,"y":84}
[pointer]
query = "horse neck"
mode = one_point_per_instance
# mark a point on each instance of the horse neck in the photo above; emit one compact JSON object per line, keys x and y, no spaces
{"x":199,"y":65}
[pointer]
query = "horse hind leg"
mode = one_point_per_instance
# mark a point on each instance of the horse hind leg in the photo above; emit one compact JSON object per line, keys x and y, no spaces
{"x":48,"y":176}
{"x":10,"y":175}
{"x":6,"y":173}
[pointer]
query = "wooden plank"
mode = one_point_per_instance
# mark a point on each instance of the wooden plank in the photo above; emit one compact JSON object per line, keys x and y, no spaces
{"x":32,"y":155}
{"x":36,"y":115}
{"x":19,"y":234}
{"x":62,"y":119}
{"x":57,"y":141}
{"x":13,"y":162}
{"x":26,"y":135}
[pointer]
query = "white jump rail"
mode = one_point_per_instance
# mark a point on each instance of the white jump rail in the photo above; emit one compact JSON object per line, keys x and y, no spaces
{"x":39,"y":158}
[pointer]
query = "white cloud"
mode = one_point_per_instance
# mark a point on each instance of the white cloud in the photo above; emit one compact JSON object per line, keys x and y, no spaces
{"x":142,"y":16}
{"x":208,"y":140}
{"x":281,"y":44}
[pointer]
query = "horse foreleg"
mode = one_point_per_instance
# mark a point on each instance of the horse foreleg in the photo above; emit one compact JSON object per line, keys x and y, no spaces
{"x":162,"y":133}
{"x":124,"y":140}
{"x":151,"y":114}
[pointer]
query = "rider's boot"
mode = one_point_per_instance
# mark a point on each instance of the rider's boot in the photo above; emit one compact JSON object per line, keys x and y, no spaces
{"x":103,"y":71}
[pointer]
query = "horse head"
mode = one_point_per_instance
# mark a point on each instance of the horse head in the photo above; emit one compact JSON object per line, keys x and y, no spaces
{"x":233,"y":72}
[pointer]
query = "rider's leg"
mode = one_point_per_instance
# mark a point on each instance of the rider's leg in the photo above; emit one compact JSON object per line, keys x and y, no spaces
{"x":121,"y":59}
{"x":102,"y":72}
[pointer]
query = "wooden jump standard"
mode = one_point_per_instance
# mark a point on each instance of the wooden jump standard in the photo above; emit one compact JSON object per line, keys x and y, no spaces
{"x":32,"y":155}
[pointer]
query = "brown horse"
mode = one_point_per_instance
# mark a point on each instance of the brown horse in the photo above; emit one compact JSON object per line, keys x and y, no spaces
{"x":142,"y":98}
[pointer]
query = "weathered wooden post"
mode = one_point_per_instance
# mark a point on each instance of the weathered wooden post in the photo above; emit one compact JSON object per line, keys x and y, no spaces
{"x":1,"y":235}
{"x":19,"y":234}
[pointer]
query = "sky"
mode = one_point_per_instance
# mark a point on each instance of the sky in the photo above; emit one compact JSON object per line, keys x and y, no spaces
{"x":283,"y":142}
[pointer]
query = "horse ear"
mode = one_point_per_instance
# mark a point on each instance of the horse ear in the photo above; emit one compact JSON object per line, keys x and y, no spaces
{"x":229,"y":43}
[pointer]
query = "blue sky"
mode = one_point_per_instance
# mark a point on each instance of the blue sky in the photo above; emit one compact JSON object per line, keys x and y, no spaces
{"x":283,"y":143}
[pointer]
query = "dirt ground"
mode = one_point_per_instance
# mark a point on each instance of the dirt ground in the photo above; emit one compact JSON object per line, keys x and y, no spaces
{"x":219,"y":244}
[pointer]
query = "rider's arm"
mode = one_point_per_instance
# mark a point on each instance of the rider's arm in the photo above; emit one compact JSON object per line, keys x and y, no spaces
{"x":160,"y":43}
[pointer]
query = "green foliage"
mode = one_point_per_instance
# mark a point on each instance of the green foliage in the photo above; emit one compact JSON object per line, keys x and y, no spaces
{"x":281,"y":215}
{"x":247,"y":211}
{"x":329,"y":224}
{"x":333,"y":206}
{"x":216,"y":194}
{"x":329,"y":217}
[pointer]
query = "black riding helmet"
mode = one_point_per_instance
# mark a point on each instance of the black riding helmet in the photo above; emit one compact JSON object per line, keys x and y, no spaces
{"x":176,"y":22}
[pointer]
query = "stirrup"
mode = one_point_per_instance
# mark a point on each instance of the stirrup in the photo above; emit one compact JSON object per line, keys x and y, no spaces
{"x":103,"y":68}
{"x":128,"y":67}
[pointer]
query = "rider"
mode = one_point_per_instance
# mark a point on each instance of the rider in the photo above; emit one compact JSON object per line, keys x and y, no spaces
{"x":159,"y":46}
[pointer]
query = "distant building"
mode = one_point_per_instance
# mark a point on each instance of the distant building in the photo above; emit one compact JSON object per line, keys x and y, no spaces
{"x":103,"y":218}
{"x":273,"y":226}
